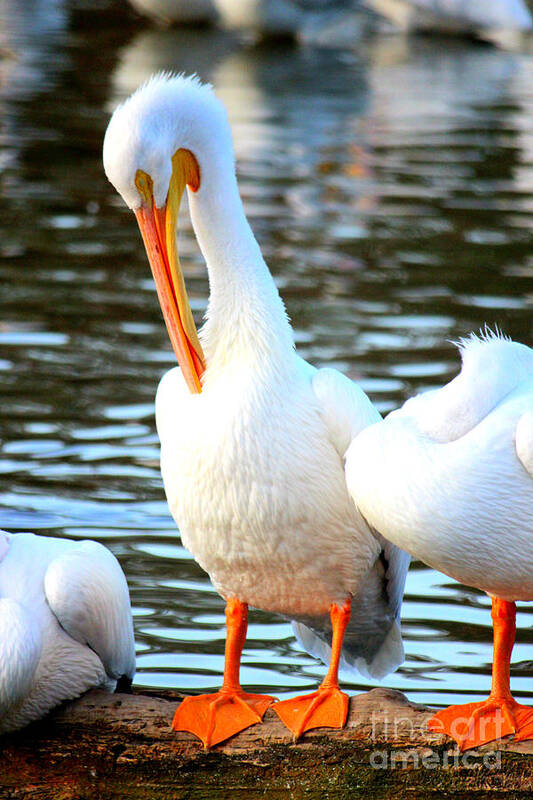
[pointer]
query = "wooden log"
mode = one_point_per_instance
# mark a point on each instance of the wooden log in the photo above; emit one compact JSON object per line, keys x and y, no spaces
{"x":106,"y":746}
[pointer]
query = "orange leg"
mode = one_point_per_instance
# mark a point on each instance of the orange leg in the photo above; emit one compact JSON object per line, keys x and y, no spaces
{"x":216,"y":717}
{"x":474,"y":724}
{"x":328,"y":706}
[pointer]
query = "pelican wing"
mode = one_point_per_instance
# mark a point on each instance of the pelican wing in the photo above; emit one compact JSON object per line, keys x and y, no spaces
{"x":396,"y":565}
{"x":87,"y":592}
{"x":345,"y":408}
{"x":20,"y":650}
{"x":524,"y":441}
{"x":373,"y":643}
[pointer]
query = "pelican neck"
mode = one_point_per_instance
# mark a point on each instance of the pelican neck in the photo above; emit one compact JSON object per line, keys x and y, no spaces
{"x":244,"y":303}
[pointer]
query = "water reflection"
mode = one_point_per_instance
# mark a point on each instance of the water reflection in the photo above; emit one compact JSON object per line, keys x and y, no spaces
{"x":391,"y":191}
{"x":30,"y":36}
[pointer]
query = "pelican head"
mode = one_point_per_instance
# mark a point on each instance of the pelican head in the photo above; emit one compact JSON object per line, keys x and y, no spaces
{"x":171,"y":133}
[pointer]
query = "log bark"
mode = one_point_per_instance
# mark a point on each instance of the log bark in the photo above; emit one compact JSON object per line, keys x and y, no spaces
{"x":103,"y":747}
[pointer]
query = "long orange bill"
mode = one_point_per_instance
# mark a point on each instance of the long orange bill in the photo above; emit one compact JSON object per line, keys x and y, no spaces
{"x":158,"y":229}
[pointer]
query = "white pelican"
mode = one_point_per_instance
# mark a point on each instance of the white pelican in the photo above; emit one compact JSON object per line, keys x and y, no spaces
{"x":449,"y":477}
{"x":252,"y":437}
{"x":65,"y":624}
{"x":462,"y":17}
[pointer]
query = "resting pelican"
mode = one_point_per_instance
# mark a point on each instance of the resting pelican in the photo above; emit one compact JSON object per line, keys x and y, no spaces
{"x":252,"y":437}
{"x":65,"y":624}
{"x":448,"y":477}
{"x":463,"y":17}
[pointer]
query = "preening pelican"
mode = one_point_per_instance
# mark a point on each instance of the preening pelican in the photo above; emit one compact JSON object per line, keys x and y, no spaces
{"x":252,"y":437}
{"x":463,"y":17}
{"x":65,"y":624}
{"x":449,"y":477}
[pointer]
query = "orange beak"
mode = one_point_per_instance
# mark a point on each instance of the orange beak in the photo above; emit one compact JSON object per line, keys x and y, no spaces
{"x":158,"y":229}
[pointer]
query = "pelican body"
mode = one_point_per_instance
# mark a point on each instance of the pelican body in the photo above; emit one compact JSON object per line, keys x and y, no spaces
{"x":252,"y":437}
{"x":449,"y":478}
{"x":65,"y":624}
{"x":256,"y":483}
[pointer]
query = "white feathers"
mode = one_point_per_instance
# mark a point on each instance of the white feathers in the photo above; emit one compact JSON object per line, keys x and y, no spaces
{"x":524,"y":441}
{"x":492,"y":366}
{"x":345,"y":407}
{"x":252,"y":466}
{"x":65,"y":625}
{"x":373,"y":665}
{"x":21,"y":644}
{"x":167,"y":113}
{"x":87,"y":591}
{"x":448,"y":476}
{"x":256,"y":486}
{"x":486,"y":334}
{"x":373,"y":642}
{"x":390,"y":655}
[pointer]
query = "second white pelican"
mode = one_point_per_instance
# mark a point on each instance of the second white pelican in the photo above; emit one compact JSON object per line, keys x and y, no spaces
{"x":449,"y":477}
{"x":252,"y":436}
{"x":65,"y":624}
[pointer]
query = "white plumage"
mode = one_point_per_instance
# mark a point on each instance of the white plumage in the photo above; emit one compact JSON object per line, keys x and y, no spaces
{"x":65,"y":624}
{"x":253,"y":466}
{"x":448,"y":477}
{"x":253,"y":477}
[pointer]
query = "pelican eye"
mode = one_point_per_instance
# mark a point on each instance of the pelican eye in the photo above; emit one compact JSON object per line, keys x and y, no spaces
{"x":145,"y":186}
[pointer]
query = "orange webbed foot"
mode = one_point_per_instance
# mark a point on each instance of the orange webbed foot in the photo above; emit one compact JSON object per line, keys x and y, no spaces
{"x":325,"y":708}
{"x":216,"y":717}
{"x":474,"y":724}
{"x":524,"y":723}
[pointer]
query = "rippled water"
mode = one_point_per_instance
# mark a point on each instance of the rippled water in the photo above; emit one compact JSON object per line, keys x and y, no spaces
{"x":391,"y":190}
